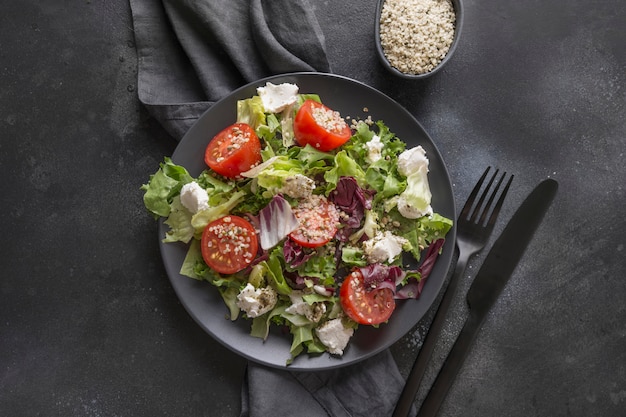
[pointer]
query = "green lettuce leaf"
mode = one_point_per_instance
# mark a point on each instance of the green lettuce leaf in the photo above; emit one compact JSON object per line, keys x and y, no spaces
{"x":421,"y":232}
{"x":214,"y":187}
{"x":273,"y":177}
{"x":163,"y":186}
{"x":261,"y":325}
{"x":353,"y":256}
{"x":179,"y":221}
{"x":301,"y":335}
{"x":321,"y":265}
{"x":275,"y":275}
{"x":251,"y":111}
{"x":229,"y":295}
{"x":345,"y":166}
{"x":268,"y":132}
{"x":193,"y":265}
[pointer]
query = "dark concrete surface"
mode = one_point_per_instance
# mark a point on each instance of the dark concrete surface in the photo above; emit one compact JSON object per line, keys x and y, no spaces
{"x":89,"y":324}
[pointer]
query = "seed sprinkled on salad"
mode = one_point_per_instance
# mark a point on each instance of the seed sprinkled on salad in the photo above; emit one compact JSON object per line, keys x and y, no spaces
{"x":312,"y":238}
{"x":314,"y":226}
{"x":233,"y":150}
{"x":329,"y":119}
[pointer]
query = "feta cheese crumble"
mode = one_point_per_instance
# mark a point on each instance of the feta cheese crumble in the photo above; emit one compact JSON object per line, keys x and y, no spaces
{"x":276,"y":98}
{"x":374,"y":149}
{"x":256,"y":301}
{"x":384,"y":247}
{"x":334,"y":335}
{"x":313,"y":312}
{"x":411,"y":160}
{"x":194,"y":198}
{"x":414,"y":201}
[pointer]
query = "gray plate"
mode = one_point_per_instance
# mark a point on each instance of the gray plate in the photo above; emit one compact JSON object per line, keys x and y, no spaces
{"x":203,"y":301}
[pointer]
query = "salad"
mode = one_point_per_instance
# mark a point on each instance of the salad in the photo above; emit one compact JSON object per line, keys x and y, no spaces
{"x":303,"y":221}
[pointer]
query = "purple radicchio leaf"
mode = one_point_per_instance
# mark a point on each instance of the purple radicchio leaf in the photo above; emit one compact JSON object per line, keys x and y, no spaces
{"x":294,"y":280}
{"x":381,"y":276}
{"x":276,"y":221}
{"x":299,"y":282}
{"x":413,"y":288}
{"x":353,"y":201}
{"x":295,"y":255}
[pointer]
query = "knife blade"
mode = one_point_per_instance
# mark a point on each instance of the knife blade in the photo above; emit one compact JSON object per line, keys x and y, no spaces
{"x":488,"y":284}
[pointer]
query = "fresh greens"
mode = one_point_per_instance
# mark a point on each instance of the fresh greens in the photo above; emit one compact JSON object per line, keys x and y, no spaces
{"x":164,"y":185}
{"x":361,"y":178}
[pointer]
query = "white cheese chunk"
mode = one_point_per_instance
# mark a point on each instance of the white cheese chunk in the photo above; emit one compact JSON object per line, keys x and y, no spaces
{"x":411,"y":160}
{"x":313,"y":312}
{"x":334,"y":335}
{"x":384,"y":247}
{"x":374,"y":149}
{"x":298,"y":305}
{"x":193,"y":197}
{"x":321,"y":290}
{"x":414,"y":202}
{"x":276,"y":98}
{"x":256,"y":301}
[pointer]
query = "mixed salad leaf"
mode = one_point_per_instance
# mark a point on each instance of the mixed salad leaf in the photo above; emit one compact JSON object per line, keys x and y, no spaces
{"x":311,"y":228}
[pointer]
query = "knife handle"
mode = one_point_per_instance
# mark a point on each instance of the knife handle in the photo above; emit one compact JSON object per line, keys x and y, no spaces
{"x":413,"y":381}
{"x":451,"y":367}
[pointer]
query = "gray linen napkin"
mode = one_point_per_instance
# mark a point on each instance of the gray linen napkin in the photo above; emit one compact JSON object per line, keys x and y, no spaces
{"x":191,"y":53}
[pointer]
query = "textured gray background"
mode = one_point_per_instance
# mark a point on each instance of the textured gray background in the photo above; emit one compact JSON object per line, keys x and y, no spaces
{"x":89,"y":325}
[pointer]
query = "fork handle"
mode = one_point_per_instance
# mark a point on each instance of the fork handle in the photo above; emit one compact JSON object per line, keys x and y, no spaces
{"x":416,"y":375}
{"x":451,"y":367}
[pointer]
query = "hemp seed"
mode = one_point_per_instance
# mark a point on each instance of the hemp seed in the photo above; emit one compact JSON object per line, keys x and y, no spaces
{"x":416,"y":35}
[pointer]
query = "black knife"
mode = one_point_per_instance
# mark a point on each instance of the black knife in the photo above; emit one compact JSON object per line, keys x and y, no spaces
{"x":488,"y":284}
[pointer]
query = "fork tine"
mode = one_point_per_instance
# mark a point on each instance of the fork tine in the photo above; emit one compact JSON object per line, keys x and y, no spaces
{"x":483,"y":216}
{"x":479,"y":205}
{"x":498,"y":206}
{"x":470,"y":200}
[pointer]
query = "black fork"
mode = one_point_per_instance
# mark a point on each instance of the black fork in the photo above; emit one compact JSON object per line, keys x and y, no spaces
{"x":474,"y":227}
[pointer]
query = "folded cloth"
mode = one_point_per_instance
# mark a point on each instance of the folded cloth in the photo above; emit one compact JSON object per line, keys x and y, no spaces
{"x":191,"y":53}
{"x":370,"y":388}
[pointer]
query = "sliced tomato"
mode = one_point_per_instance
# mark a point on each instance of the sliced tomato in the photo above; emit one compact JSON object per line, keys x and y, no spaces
{"x":229,"y":244}
{"x":365,"y":305}
{"x":318,"y":126}
{"x":317,"y":218}
{"x":234,"y":150}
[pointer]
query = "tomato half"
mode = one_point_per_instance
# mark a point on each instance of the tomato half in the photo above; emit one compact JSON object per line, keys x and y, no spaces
{"x":365,"y":305}
{"x":229,"y":244}
{"x":234,"y":150}
{"x":318,"y":126}
{"x":318,"y":220}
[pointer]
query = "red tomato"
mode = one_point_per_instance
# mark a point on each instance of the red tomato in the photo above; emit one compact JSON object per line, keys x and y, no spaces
{"x":365,"y":305}
{"x":320,"y":127}
{"x":318,"y":220}
{"x":229,"y":244}
{"x":234,"y":150}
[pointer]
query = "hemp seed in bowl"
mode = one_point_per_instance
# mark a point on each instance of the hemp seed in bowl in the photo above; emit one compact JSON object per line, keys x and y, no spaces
{"x":414,"y":38}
